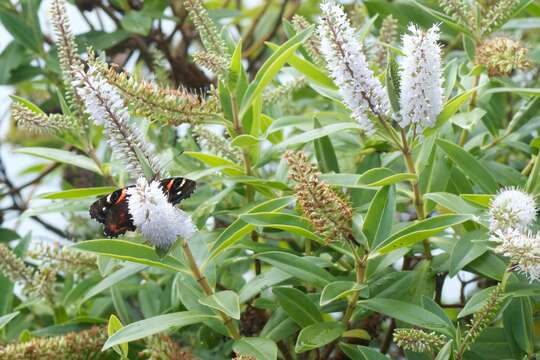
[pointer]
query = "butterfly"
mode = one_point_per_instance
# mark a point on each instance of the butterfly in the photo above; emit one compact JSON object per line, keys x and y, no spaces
{"x":112,"y":210}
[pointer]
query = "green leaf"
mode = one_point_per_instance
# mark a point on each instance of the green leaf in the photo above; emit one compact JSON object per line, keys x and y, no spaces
{"x":262,"y":282}
{"x":239,"y":228}
{"x":470,"y":47}
{"x":154,"y":325}
{"x":382,"y":177}
{"x":256,"y":347}
{"x":358,"y":352}
{"x":308,"y":69}
{"x":130,"y":251}
{"x":101,"y":40}
{"x":7,"y":318}
{"x":474,"y":169}
{"x":27,"y":104}
{"x":419,"y":231}
{"x":380,"y":216}
{"x":287,"y":222}
{"x":20,"y":30}
{"x":524,"y":115}
{"x":271,"y":67}
{"x":338,"y":290}
{"x":280,"y":326}
{"x":225,"y":301}
{"x":7,"y":235}
{"x":112,"y":279}
{"x":466,"y":251}
{"x":113,"y":327}
{"x":392,"y":83}
{"x":324,"y":151}
{"x":298,"y":305}
{"x":311,"y":135}
{"x":61,"y":156}
{"x":518,"y":323}
{"x":452,"y":202}
{"x":318,"y":335}
{"x":370,"y":179}
{"x":79,"y":193}
{"x":517,"y":91}
{"x":450,"y":108}
{"x":136,"y":22}
{"x":409,"y":313}
{"x":297,"y":266}
{"x":479,"y":199}
{"x":446,"y":352}
{"x":235,"y":69}
{"x":229,"y":167}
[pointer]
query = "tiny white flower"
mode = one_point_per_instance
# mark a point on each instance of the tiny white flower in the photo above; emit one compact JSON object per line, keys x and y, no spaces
{"x":158,"y":220}
{"x":523,"y":248}
{"x":347,"y":64}
{"x":512,"y":208}
{"x":421,"y":78}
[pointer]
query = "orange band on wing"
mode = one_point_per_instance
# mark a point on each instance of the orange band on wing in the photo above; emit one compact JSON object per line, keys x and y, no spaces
{"x":121,"y":197}
{"x":170,"y":184}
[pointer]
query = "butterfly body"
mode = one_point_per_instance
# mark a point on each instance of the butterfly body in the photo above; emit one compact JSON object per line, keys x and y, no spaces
{"x":113,"y":212}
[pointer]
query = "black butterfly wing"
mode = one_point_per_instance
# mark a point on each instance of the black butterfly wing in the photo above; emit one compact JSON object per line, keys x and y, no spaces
{"x":178,"y":189}
{"x":112,"y":211}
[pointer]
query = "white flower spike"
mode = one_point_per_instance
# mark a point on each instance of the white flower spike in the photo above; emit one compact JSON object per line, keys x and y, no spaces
{"x":158,"y":220}
{"x":347,"y":64}
{"x":421,"y":78}
{"x":523,"y":248}
{"x":105,"y":106}
{"x":512,"y":209}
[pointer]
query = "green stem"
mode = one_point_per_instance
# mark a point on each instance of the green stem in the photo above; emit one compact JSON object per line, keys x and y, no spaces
{"x":417,"y":194}
{"x":201,"y":279}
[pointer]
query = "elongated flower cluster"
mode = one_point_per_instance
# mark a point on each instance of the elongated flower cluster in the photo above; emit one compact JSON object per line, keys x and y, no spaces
{"x":460,"y":11}
{"x":159,"y":221}
{"x":501,"y":56}
{"x":418,"y":340}
{"x":64,"y":259}
{"x":328,"y":212}
{"x":171,"y":106}
{"x":283,"y":92}
{"x":163,"y":347}
{"x":210,"y":61}
{"x":209,"y":34}
{"x":347,"y":64}
{"x":512,"y":208}
{"x":312,"y":44}
{"x":83,"y":345}
{"x":483,"y":317}
{"x":216,"y":144}
{"x":387,"y":35}
{"x":68,"y":55}
{"x":40,"y":123}
{"x":490,"y":13}
{"x":35,"y":283}
{"x":421,"y":78}
{"x":497,"y":14}
{"x":105,"y":106}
